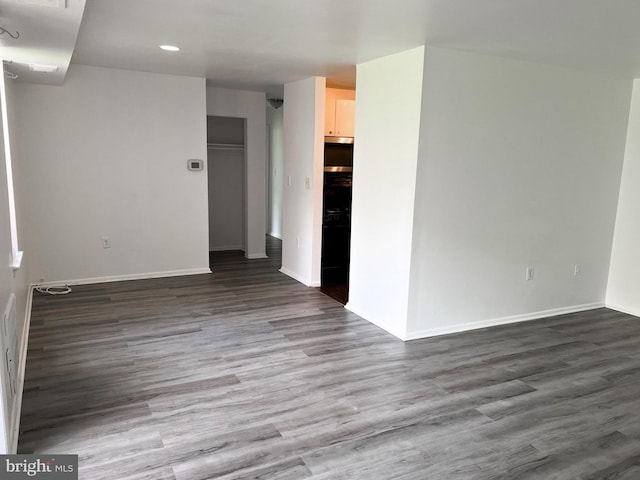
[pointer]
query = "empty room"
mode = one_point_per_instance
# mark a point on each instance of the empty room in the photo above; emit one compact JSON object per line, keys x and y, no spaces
{"x":320,"y":240}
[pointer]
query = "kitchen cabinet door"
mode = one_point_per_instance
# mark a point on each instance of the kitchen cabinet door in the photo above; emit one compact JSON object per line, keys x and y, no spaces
{"x":339,"y":116}
{"x":330,"y":113}
{"x":345,"y":118}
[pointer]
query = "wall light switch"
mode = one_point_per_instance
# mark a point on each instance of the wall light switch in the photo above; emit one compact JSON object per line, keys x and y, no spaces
{"x":307,"y":183}
{"x":577,"y":269}
{"x":106,"y":242}
{"x":529,"y":274}
{"x":289,"y":180}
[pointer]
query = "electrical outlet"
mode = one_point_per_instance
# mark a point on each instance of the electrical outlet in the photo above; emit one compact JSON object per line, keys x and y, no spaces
{"x":528,"y":274}
{"x":106,"y":242}
{"x":577,"y":270}
{"x":289,"y":180}
{"x":307,"y":183}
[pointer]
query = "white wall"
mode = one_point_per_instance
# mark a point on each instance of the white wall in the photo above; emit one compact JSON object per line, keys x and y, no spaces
{"x":303,"y":159}
{"x":105,"y":155}
{"x":623,"y":290}
{"x":21,"y":278}
{"x":223,"y":102}
{"x":388,"y":99}
{"x":11,"y":282}
{"x":6,"y":289}
{"x":226,"y":199}
{"x":276,"y":165}
{"x":519,"y":166}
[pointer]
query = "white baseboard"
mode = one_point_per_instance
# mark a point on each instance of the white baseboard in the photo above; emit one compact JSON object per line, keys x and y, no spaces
{"x":22,"y":364}
{"x":463,"y":327}
{"x":225,"y":248}
{"x":627,"y":310}
{"x":121,"y":278}
{"x":395,"y":332}
{"x":295,"y":276}
{"x":235,"y":248}
{"x":253,"y":256}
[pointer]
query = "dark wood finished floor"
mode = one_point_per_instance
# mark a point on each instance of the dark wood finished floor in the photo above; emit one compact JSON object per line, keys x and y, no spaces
{"x":246,"y":374}
{"x":340,"y":293}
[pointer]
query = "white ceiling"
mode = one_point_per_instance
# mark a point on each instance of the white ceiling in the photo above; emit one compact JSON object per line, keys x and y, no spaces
{"x":262,"y":44}
{"x":47,"y":34}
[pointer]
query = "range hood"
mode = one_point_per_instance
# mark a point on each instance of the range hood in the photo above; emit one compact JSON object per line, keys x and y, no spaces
{"x":344,"y":140}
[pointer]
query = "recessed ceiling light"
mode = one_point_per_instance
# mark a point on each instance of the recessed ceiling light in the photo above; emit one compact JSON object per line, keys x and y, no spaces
{"x":170,"y":48}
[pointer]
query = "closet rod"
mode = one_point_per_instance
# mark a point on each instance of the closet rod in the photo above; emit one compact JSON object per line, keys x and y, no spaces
{"x":225,"y":146}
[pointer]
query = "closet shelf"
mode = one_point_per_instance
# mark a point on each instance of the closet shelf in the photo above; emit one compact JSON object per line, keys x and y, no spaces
{"x":225,"y":146}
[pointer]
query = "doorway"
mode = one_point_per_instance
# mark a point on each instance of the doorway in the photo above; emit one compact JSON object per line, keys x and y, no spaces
{"x":336,"y":218}
{"x":226,"y":167}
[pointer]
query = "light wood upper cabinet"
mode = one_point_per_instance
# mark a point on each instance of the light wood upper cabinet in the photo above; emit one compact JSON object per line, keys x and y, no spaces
{"x":340,"y":111}
{"x":345,"y":118}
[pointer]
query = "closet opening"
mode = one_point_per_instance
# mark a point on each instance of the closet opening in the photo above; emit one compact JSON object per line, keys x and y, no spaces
{"x":226,"y":170}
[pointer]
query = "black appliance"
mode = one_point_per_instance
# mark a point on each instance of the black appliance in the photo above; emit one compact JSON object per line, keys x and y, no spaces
{"x":336,"y":210}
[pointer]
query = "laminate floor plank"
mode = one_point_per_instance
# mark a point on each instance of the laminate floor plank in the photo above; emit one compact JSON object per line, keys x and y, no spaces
{"x":247,"y":374}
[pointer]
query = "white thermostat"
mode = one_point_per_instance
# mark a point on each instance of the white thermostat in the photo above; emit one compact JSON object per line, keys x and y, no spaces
{"x":195,"y":165}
